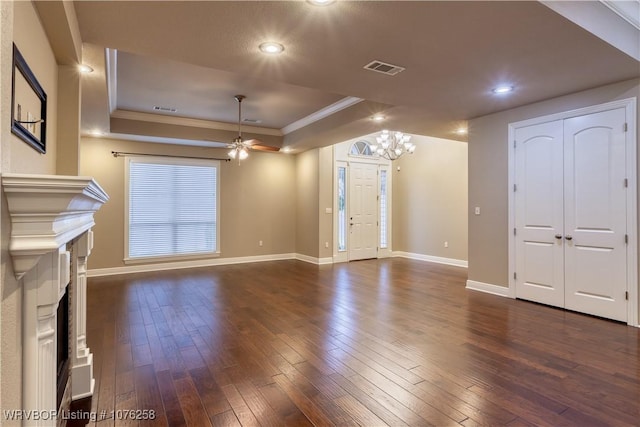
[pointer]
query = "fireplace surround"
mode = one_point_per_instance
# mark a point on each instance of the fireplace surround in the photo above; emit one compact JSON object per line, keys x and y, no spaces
{"x":51,"y":220}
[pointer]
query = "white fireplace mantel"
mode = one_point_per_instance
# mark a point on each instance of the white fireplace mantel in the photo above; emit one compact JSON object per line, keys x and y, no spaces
{"x":46,"y":212}
{"x":51,"y":239}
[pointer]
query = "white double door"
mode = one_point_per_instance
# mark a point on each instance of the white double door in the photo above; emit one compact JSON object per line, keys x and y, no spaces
{"x":570,"y":214}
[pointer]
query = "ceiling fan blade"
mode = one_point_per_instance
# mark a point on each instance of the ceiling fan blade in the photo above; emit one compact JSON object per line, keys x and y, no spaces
{"x":264,"y":148}
{"x":256,"y":144}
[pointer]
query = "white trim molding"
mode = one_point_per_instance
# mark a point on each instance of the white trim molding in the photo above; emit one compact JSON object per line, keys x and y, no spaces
{"x":177,"y":265}
{"x":321,"y":114}
{"x":314,"y":260}
{"x":431,"y":258}
{"x":488,"y":288}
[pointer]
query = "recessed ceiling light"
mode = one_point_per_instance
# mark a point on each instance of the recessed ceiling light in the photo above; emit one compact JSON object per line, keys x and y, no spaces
{"x":85,"y":69}
{"x":96,"y":132}
{"x":461,"y":131}
{"x":378,"y":117}
{"x":502,"y":89}
{"x":272,"y":48}
{"x":321,"y":2}
{"x":286,"y":149}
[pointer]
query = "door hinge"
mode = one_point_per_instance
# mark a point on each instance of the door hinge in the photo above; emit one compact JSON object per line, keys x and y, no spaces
{"x":626,"y":182}
{"x":515,"y":188}
{"x":514,"y":143}
{"x":625,"y":127}
{"x":514,"y":231}
{"x":515,"y":275}
{"x":626,"y":295}
{"x":626,"y":238}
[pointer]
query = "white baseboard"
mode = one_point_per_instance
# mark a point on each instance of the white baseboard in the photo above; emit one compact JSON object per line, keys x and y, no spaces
{"x":314,"y":260}
{"x":176,"y":265}
{"x":431,"y":258}
{"x":487,"y":288}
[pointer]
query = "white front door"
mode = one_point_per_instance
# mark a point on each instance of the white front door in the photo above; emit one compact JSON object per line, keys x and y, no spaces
{"x":363,"y":212}
{"x":595,"y":214}
{"x":539,"y":213}
{"x":570,"y":205}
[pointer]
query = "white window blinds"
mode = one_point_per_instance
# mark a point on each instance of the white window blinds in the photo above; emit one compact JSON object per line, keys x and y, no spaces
{"x":172,"y":208}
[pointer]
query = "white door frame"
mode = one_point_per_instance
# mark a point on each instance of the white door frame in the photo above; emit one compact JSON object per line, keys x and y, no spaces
{"x":342,"y":158}
{"x":629,"y":105}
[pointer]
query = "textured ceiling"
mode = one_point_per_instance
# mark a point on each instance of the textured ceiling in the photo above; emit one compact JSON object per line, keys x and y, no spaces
{"x":195,"y":55}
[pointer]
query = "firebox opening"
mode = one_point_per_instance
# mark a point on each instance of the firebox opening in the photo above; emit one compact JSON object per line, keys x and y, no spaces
{"x":62,"y":347}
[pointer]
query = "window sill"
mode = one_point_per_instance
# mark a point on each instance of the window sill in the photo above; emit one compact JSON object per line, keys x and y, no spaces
{"x":149,"y":260}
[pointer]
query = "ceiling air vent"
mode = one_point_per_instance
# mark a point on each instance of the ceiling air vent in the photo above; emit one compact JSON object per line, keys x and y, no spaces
{"x":255,"y":121}
{"x":384,"y":68}
{"x":165,"y":109}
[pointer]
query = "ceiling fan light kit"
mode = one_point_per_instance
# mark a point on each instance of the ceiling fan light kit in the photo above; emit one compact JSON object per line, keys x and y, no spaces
{"x":239,"y":147}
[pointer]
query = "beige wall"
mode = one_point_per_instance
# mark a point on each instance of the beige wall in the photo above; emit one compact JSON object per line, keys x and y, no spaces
{"x":325,"y":200}
{"x":488,"y":175}
{"x":429,"y":199}
{"x":32,"y":42}
{"x":307,"y":203}
{"x":20,"y":24}
{"x":256,"y":199}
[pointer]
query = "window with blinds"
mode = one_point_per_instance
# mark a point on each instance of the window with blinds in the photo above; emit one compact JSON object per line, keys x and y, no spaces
{"x":172,"y":207}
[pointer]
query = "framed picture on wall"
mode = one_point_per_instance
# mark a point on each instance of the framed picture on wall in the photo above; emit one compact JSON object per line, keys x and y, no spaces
{"x":28,"y":105}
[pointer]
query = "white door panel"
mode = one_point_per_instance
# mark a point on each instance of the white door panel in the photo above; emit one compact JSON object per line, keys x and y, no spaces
{"x":595,"y":217}
{"x":539,"y":213}
{"x":363,"y":211}
{"x":571,"y":210}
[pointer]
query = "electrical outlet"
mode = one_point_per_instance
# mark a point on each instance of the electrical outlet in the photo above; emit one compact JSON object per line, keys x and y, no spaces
{"x":446,"y":244}
{"x":477,"y":210}
{"x":326,"y":244}
{"x":260,"y":243}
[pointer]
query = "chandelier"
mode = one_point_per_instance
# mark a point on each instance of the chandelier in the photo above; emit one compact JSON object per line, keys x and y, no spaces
{"x":393,"y":145}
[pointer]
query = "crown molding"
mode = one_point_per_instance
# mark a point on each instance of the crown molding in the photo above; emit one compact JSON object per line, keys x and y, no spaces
{"x":184,"y":121}
{"x":111,"y":70}
{"x":321,"y":114}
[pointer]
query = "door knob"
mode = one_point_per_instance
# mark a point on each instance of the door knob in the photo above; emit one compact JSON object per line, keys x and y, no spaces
{"x":558,"y":236}
{"x":568,"y":237}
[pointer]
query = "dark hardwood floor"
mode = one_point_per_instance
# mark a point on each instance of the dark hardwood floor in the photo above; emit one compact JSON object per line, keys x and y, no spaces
{"x":381,"y":342}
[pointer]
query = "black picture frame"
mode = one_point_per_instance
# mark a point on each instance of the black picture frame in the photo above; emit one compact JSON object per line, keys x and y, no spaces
{"x":18,"y":128}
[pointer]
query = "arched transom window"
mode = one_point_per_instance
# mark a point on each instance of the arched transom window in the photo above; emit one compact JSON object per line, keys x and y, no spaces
{"x":361,"y":148}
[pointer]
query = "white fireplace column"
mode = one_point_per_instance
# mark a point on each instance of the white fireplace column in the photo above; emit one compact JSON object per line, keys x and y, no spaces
{"x":82,"y":381}
{"x":49,"y":212}
{"x":43,"y":287}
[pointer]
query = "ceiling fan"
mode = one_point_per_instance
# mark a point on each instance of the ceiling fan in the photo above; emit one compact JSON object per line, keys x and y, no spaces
{"x":239,"y":148}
